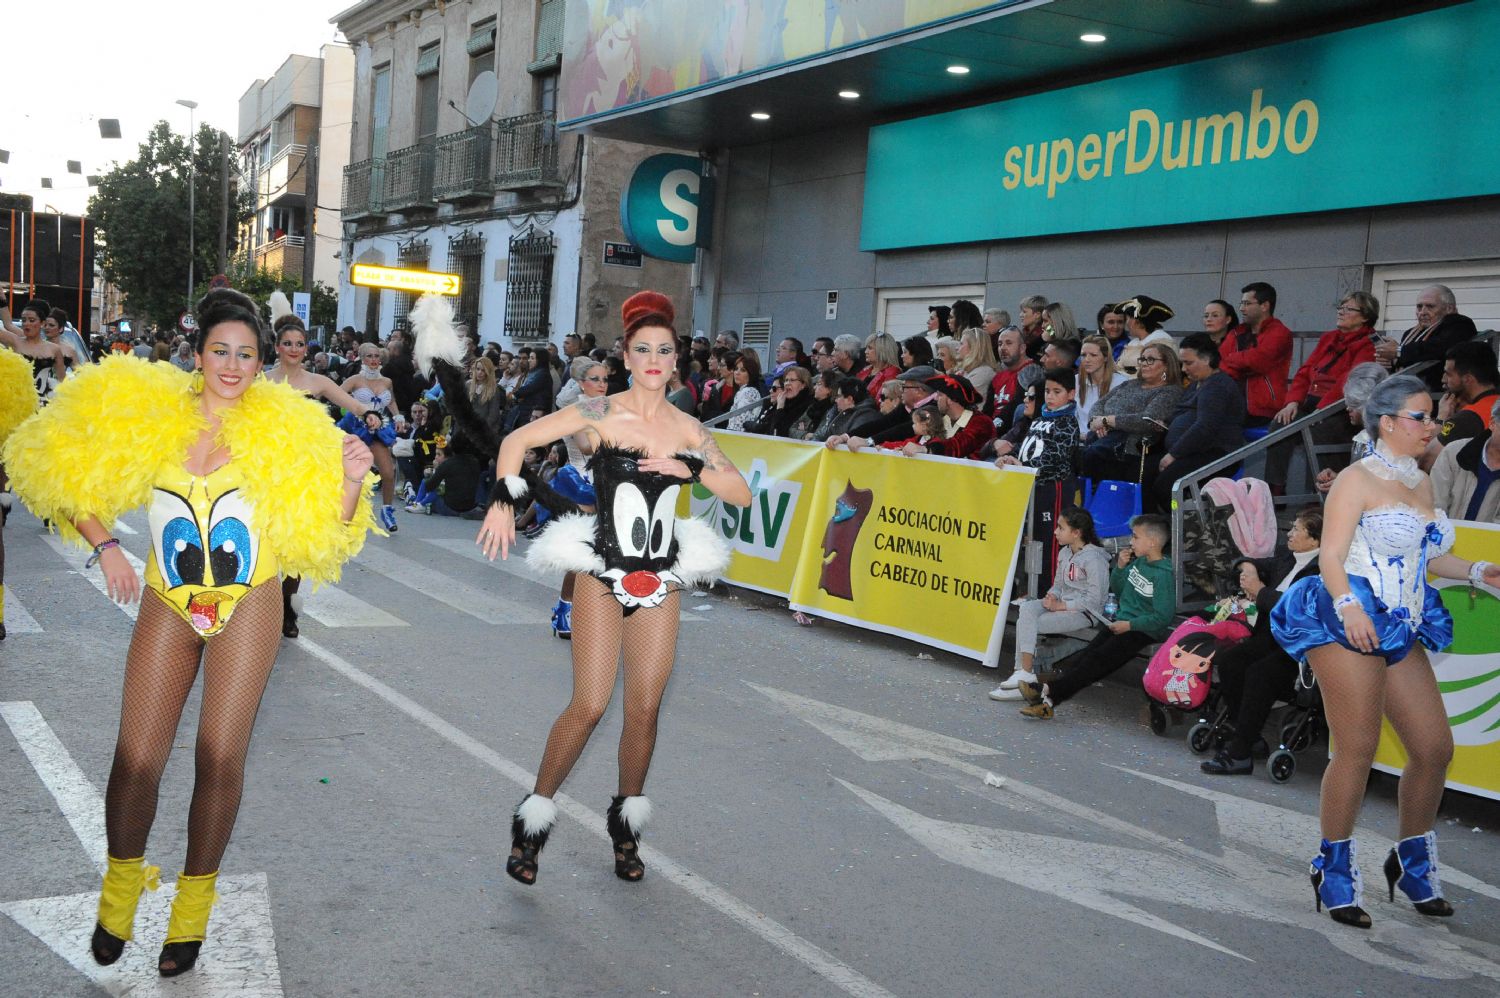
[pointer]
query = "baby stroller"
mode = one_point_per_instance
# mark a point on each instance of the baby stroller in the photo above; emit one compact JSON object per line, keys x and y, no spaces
{"x":1180,"y":676}
{"x":1301,"y":725}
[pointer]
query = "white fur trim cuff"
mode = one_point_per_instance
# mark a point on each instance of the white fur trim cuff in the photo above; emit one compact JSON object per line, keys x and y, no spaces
{"x":537,"y":813}
{"x":635,"y":812}
{"x":436,"y":333}
{"x":566,"y":545}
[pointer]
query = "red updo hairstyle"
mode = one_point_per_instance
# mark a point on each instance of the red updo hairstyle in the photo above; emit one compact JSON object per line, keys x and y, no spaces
{"x":647,"y":308}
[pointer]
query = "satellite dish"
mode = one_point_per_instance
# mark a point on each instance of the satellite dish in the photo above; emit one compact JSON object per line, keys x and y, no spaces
{"x":479,"y":106}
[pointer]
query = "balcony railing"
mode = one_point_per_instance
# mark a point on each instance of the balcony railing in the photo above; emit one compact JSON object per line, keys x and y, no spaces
{"x":284,"y":177}
{"x":526,"y":152}
{"x":283,"y":255}
{"x":462,"y":165}
{"x":364,"y":190}
{"x":408,"y":178}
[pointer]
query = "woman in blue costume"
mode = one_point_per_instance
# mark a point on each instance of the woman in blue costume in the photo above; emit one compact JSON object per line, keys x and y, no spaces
{"x":1364,"y":624}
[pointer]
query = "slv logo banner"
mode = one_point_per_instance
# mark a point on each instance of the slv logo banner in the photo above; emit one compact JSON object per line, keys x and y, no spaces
{"x":667,"y":209}
{"x":923,"y":548}
{"x":1468,"y":675}
{"x":781,"y":474}
{"x":1265,"y":132}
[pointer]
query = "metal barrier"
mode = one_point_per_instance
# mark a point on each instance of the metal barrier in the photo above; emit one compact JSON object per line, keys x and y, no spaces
{"x":1187,"y":492}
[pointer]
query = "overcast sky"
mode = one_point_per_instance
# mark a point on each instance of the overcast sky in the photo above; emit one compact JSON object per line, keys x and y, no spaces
{"x":68,"y":64}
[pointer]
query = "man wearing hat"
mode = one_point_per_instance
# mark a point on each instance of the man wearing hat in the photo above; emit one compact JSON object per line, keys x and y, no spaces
{"x":1144,"y":317}
{"x":967,"y":431}
{"x":915,"y":392}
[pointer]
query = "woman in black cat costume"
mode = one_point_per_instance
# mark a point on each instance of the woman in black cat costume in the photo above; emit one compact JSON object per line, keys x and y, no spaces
{"x":633,"y":557}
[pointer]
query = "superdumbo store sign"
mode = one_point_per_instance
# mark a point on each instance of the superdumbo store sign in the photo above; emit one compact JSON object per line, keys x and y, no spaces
{"x":1383,"y":114}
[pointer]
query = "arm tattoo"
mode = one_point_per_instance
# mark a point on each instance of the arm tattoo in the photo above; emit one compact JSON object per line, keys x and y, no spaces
{"x":594,"y":409}
{"x":713,"y":457}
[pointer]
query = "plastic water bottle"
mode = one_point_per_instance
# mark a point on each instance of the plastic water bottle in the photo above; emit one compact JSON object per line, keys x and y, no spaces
{"x":1111,"y":606}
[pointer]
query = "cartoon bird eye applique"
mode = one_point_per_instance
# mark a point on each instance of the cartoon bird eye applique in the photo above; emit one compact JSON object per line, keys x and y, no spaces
{"x":632,"y":520}
{"x":231,"y":542}
{"x":178,"y":543}
{"x":182,"y":561}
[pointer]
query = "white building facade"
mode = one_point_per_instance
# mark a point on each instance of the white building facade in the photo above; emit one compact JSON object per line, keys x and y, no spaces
{"x":456,"y":165}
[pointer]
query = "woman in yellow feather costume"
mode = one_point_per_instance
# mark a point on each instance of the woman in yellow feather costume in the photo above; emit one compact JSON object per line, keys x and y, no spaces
{"x":17,"y":401}
{"x":230,"y":506}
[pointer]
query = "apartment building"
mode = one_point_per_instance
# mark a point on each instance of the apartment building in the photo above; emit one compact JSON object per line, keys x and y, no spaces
{"x":456,"y":165}
{"x":293,"y":145}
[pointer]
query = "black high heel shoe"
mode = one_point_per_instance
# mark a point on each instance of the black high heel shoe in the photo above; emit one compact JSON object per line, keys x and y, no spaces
{"x":529,"y":829}
{"x":181,"y":956}
{"x":625,"y":819}
{"x":106,"y":946}
{"x":1412,"y":866}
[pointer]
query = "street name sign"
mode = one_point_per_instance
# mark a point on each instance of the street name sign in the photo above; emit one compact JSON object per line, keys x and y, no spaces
{"x":398,"y":279}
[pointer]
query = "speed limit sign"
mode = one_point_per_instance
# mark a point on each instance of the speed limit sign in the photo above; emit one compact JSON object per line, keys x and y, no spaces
{"x":186,"y":322}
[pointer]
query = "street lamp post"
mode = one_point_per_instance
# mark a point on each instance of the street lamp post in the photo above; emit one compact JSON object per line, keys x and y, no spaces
{"x":192,"y":188}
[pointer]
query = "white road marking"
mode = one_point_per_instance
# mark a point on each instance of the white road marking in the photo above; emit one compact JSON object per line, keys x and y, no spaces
{"x":80,"y":803}
{"x":77,"y":557}
{"x":333,"y":607}
{"x":1293,"y":835}
{"x":816,"y":959}
{"x":514,"y":565}
{"x":1084,"y":873}
{"x":17,"y":620}
{"x":121,"y":527}
{"x":483,"y":605}
{"x":1237,"y":881}
{"x":238,"y":961}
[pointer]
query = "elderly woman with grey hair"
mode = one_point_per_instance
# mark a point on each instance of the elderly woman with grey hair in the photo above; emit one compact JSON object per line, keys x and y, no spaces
{"x":1357,"y":388}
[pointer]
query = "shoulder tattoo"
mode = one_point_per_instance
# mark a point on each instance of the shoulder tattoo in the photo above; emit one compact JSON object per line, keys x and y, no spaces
{"x":713,"y":457}
{"x":594,"y":409}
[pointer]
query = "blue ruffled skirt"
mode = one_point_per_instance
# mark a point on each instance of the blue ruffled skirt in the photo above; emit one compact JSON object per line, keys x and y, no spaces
{"x":1303,"y":619}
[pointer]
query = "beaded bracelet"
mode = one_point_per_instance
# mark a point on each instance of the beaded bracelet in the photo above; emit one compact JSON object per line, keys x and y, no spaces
{"x":99,"y":549}
{"x":1343,"y":601}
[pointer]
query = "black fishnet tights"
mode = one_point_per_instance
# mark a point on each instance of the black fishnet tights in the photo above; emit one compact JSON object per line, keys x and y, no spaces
{"x":160,"y":670}
{"x":1357,"y":690}
{"x":601,"y":632}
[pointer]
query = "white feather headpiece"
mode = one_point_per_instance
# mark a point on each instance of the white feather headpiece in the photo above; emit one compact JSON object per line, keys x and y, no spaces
{"x":279,"y":305}
{"x":436,"y":333}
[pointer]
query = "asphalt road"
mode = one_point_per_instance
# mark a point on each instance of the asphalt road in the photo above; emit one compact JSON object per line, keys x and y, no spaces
{"x":835,"y":815}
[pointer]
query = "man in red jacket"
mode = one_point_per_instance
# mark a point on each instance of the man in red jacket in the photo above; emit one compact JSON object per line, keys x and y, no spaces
{"x":1258,"y":354}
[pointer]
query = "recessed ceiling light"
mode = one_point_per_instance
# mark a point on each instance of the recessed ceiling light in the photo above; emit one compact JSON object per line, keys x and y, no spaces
{"x":958,"y":70}
{"x":760,"y":116}
{"x":1092,"y":37}
{"x":849,"y":94}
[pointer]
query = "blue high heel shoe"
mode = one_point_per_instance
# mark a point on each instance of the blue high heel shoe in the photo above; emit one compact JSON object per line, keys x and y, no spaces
{"x":1413,"y":866}
{"x":1336,"y":883}
{"x":562,"y":620}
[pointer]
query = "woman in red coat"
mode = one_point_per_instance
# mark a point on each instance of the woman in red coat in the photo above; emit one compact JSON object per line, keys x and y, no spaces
{"x":1319,"y":382}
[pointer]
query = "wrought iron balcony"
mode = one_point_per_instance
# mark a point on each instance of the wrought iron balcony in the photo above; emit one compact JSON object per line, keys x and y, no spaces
{"x":364,"y":190}
{"x":526,"y":152}
{"x":408,"y":178}
{"x":462,"y":165}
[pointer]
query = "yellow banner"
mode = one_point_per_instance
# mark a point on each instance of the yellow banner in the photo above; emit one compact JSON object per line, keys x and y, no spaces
{"x":1468,"y":675}
{"x":766,"y":535}
{"x":924,"y":548}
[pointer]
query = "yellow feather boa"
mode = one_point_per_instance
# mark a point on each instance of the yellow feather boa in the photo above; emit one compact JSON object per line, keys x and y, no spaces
{"x":17,"y":392}
{"x":100,"y":446}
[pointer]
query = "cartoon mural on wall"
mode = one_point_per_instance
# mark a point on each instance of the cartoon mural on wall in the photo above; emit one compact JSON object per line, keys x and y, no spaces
{"x":622,"y":52}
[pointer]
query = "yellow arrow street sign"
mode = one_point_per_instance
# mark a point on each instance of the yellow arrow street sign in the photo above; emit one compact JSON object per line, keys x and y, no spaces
{"x":414,"y":281}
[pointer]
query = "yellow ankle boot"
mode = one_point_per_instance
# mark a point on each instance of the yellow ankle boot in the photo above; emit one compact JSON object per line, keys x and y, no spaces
{"x":188,"y":925}
{"x":124,"y":882}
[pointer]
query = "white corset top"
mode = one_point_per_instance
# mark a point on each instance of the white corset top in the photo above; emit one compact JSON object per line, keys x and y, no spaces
{"x":1390,"y":550}
{"x":372,"y":399}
